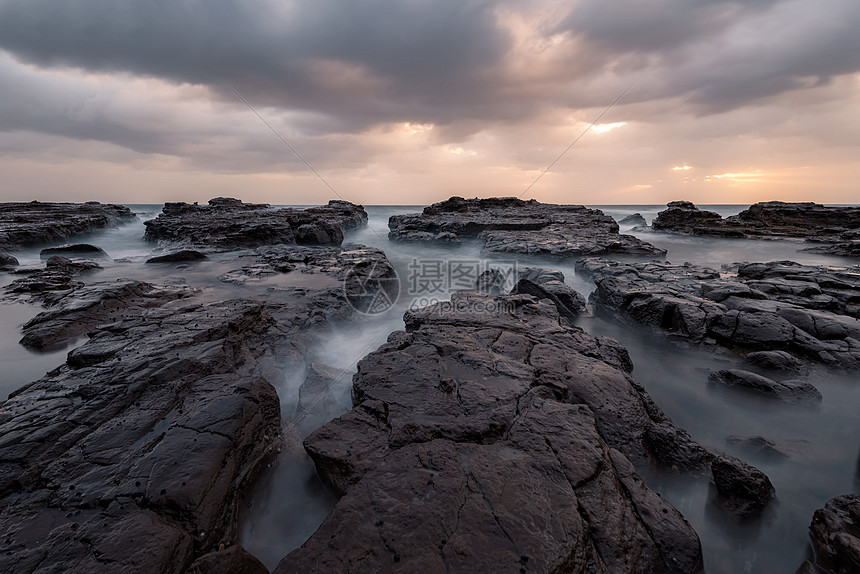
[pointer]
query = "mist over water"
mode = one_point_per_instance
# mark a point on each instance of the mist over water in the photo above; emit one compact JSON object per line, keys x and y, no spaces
{"x":289,"y":502}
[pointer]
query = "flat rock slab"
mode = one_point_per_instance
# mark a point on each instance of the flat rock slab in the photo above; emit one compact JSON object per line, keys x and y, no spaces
{"x":794,"y":392}
{"x":786,"y":316}
{"x":38,"y":223}
{"x":498,"y":441}
{"x":839,"y":227}
{"x":74,"y":250}
{"x":227,"y":223}
{"x":511,"y":225}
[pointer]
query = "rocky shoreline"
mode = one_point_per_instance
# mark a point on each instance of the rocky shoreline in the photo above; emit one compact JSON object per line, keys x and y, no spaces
{"x":490,"y":433}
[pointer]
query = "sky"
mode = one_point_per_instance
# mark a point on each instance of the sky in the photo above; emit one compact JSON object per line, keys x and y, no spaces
{"x":409,"y":102}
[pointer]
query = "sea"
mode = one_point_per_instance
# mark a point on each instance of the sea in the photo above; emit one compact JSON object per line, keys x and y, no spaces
{"x":288,"y":503}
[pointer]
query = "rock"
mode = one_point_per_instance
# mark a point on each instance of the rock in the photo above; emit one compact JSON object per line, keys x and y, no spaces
{"x":322,"y":233}
{"x":743,"y":490}
{"x":7,"y":261}
{"x":53,"y":282}
{"x":492,"y":282}
{"x":84,"y":250}
{"x":495,"y":440}
{"x":37,"y":223}
{"x":834,"y":534}
{"x":634,"y":220}
{"x":547,"y":284}
{"x":778,"y":309}
{"x":94,"y":305}
{"x":776,"y":361}
{"x":684,"y":217}
{"x":131,"y":456}
{"x":794,"y":392}
{"x":229,"y":561}
{"x":141,"y":440}
{"x":184,"y":256}
{"x":227,"y":223}
{"x":507,"y":225}
{"x":771,"y":219}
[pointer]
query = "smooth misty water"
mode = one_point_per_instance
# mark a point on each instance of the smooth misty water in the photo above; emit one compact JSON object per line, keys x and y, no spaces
{"x":289,"y":503}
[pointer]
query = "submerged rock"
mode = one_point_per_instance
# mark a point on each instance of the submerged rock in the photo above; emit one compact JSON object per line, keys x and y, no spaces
{"x":84,"y":250}
{"x":795,"y":392}
{"x":508,"y":225}
{"x":38,"y":223}
{"x":490,"y":436}
{"x":227,"y":223}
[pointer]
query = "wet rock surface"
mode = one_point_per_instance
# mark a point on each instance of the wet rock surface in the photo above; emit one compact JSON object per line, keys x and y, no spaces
{"x":84,"y":250}
{"x":513,"y":226}
{"x":132,"y":455}
{"x":183,"y":256}
{"x":835,"y":536}
{"x":227,"y":223}
{"x":493,"y":437}
{"x":55,"y":280}
{"x":7,"y":261}
{"x":839,"y":227}
{"x":792,"y":315}
{"x":743,"y":490}
{"x":38,"y":223}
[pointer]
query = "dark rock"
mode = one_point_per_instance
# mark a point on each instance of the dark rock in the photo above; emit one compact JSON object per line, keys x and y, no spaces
{"x":834,"y":533}
{"x":227,"y":223}
{"x":233,"y":560}
{"x":183,"y":256}
{"x":131,"y":456}
{"x":492,"y":282}
{"x":771,"y":219}
{"x":7,"y":260}
{"x":50,"y":284}
{"x":544,"y":283}
{"x":510,"y":225}
{"x":315,"y":395}
{"x":684,"y":217}
{"x":776,"y":361}
{"x":322,"y":233}
{"x":779,"y":309}
{"x":795,"y":392}
{"x":743,"y":490}
{"x":94,"y":305}
{"x":37,"y":223}
{"x":75,"y":250}
{"x":493,"y":441}
{"x":634,"y":220}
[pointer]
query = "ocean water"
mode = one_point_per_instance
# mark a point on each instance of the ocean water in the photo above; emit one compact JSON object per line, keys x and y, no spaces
{"x":288,"y":503}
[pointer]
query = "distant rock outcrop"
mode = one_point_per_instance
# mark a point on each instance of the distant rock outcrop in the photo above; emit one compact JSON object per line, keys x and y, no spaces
{"x":227,"y":223}
{"x":838,"y":227}
{"x":37,"y":223}
{"x":507,"y":225}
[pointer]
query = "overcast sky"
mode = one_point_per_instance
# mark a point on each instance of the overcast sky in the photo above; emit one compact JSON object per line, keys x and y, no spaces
{"x":412,"y":101}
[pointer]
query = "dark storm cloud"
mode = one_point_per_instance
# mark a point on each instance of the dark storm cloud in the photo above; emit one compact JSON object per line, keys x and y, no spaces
{"x":723,"y":54}
{"x":362,"y":61}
